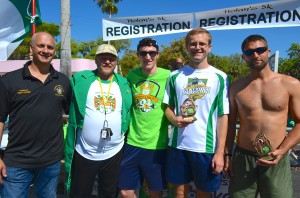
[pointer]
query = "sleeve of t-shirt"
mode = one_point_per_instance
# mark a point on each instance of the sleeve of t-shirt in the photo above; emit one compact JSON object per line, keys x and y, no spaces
{"x":167,"y":99}
{"x":223,"y":107}
{"x":4,"y":102}
{"x":68,"y":97}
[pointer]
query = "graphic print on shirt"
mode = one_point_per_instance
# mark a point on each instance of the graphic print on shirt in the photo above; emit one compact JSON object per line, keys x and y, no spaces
{"x":196,"y":88}
{"x":108,"y":104}
{"x":145,"y":95}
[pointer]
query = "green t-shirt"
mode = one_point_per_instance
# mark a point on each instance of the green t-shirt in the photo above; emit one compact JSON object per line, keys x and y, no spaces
{"x":148,"y":125}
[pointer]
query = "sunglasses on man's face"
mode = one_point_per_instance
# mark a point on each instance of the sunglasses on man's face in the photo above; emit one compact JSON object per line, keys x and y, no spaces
{"x":105,"y":58}
{"x":259,"y":50}
{"x":144,"y":53}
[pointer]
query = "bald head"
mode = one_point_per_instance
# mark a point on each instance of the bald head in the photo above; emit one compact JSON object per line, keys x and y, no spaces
{"x":41,"y":34}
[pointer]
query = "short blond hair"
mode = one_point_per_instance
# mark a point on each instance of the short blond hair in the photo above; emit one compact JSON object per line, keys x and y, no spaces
{"x":197,"y":31}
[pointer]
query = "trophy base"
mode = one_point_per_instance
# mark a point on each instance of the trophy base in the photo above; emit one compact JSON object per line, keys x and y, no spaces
{"x":190,"y":118}
{"x":269,"y":158}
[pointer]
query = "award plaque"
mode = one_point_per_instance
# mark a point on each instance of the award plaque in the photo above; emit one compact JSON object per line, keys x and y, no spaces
{"x":188,"y":109}
{"x":263,"y":146}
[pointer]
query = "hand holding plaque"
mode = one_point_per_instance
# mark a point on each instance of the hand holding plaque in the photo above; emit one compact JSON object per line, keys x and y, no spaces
{"x":263,"y":146}
{"x":188,"y":110}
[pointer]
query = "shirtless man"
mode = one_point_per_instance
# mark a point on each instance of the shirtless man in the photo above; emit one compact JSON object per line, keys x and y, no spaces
{"x":261,"y":101}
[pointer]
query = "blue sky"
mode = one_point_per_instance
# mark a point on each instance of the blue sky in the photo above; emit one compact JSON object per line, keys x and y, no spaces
{"x":86,"y":24}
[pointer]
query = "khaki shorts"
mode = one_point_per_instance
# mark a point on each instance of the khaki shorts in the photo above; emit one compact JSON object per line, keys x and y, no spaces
{"x":249,"y":180}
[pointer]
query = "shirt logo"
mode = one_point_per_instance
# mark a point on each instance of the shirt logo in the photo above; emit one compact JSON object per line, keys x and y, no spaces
{"x":59,"y":90}
{"x":108,"y":105}
{"x":23,"y":91}
{"x":145,"y":95}
{"x":196,"y":88}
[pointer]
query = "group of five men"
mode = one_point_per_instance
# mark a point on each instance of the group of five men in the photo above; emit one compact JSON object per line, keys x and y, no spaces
{"x":118,"y":127}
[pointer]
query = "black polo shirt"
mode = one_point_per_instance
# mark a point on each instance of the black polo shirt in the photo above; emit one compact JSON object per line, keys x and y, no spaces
{"x":35,"y":112}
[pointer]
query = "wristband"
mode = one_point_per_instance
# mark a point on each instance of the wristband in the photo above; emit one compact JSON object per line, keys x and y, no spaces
{"x":227,"y":154}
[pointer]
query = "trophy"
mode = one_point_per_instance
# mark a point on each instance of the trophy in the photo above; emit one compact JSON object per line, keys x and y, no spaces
{"x":188,"y":110}
{"x":263,"y":146}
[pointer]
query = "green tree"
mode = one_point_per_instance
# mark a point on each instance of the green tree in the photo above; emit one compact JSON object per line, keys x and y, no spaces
{"x":75,"y":49}
{"x":168,"y":54}
{"x":22,"y":51}
{"x":108,"y":6}
{"x":291,"y":65}
{"x":129,"y":61}
{"x":232,"y":65}
{"x":86,"y":47}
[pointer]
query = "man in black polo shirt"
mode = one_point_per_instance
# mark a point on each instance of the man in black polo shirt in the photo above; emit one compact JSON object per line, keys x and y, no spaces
{"x":35,"y":98}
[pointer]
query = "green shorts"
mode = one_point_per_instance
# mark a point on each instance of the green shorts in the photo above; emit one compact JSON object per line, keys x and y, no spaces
{"x":249,"y":180}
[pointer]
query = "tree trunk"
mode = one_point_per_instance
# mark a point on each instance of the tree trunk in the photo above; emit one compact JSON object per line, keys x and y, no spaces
{"x":65,"y":37}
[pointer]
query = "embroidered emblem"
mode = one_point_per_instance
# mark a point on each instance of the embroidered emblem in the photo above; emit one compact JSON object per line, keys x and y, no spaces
{"x":59,"y":90}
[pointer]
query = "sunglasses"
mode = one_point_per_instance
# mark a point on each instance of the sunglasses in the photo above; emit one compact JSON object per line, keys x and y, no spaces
{"x":259,"y":50}
{"x":144,"y":53}
{"x":109,"y":58}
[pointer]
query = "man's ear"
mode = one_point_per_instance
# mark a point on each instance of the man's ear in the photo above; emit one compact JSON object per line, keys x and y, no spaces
{"x":269,"y":52}
{"x":243,"y":56}
{"x":30,"y":53}
{"x":210,"y":47}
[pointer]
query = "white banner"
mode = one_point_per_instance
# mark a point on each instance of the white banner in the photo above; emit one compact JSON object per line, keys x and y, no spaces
{"x":264,"y":15}
{"x":142,"y":26}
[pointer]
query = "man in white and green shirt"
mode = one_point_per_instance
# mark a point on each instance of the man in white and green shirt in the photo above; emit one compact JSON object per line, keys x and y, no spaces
{"x":197,"y":100}
{"x":147,"y":141}
{"x":98,"y":120}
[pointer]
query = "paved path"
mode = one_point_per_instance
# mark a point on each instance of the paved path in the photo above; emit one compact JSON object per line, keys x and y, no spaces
{"x":296,"y":182}
{"x":295,"y":177}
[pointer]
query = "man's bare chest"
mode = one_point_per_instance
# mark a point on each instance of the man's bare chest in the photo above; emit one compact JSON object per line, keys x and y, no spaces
{"x":270,"y":98}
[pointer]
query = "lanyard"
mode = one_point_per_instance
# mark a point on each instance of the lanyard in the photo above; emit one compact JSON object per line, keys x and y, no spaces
{"x":102,"y":93}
